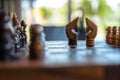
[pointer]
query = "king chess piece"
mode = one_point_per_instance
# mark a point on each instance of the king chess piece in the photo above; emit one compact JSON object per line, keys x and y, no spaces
{"x":6,"y":37}
{"x":36,"y":47}
{"x":91,"y":32}
{"x":72,"y":32}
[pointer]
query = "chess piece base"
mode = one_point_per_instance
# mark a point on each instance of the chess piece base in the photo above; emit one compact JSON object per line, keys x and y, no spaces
{"x":72,"y":43}
{"x":90,"y":42}
{"x":108,"y":41}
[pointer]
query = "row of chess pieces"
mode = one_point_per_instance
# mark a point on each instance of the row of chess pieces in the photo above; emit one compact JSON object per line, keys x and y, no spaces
{"x":12,"y":34}
{"x":113,"y":35}
{"x":13,"y":37}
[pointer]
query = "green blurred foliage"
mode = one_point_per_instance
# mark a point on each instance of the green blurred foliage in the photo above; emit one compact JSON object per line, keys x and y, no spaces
{"x":86,"y":6}
{"x":63,"y":13}
{"x":45,"y":12}
{"x":103,"y":10}
{"x":63,"y":10}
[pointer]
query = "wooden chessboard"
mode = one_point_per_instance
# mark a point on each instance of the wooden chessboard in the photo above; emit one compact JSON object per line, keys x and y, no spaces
{"x":60,"y":62}
{"x":100,"y":54}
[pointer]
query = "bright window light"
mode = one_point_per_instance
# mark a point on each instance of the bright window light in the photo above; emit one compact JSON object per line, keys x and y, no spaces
{"x":49,"y":3}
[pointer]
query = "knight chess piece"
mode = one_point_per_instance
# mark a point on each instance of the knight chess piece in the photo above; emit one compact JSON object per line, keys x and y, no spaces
{"x":72,"y":32}
{"x":109,"y":35}
{"x":6,"y":37}
{"x":36,"y":47}
{"x":91,"y":32}
{"x":114,"y":35}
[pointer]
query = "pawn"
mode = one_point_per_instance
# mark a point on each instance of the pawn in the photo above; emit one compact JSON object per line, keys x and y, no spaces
{"x":109,"y":35}
{"x":36,"y":47}
{"x":118,"y":37}
{"x":114,"y":36}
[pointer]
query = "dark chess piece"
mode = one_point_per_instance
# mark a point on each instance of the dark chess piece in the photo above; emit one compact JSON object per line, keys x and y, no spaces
{"x":21,"y":36}
{"x":91,"y":32}
{"x":72,"y":32}
{"x":24,"y":40}
{"x":109,"y":35}
{"x":114,"y":35}
{"x":17,"y":28}
{"x":36,"y":47}
{"x":6,"y":37}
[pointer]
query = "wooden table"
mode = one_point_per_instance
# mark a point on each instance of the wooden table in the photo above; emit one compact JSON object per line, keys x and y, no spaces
{"x":101,"y":62}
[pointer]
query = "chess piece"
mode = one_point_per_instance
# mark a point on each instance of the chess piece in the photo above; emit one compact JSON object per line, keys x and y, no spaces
{"x":109,"y":35}
{"x":23,"y":31}
{"x":91,"y":32}
{"x":24,"y":25}
{"x":6,"y":37}
{"x":17,"y":28}
{"x":114,"y":35}
{"x":36,"y":47}
{"x":72,"y":32}
{"x":118,"y":36}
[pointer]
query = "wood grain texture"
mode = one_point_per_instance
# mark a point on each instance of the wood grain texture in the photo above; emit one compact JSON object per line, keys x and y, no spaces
{"x":70,"y":26}
{"x":72,"y":37}
{"x":91,"y":32}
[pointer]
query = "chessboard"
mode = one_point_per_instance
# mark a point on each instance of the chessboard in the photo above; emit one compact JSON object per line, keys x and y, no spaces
{"x":60,"y":54}
{"x":101,"y":54}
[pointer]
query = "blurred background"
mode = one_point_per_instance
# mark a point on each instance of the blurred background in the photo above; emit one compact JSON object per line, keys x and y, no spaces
{"x":55,"y":14}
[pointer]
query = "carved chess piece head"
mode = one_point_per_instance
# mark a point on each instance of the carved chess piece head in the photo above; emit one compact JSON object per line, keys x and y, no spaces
{"x":91,"y":32}
{"x":14,"y":20}
{"x":36,"y":31}
{"x":24,"y":25}
{"x":72,"y":32}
